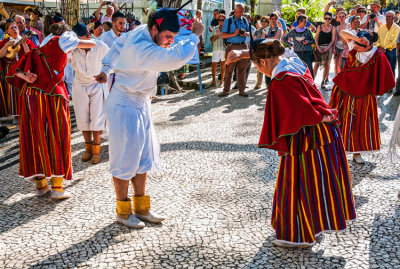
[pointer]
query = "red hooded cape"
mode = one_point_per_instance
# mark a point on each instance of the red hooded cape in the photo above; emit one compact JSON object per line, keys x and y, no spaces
{"x":48,"y":82}
{"x":372,"y":78}
{"x":293,"y":101}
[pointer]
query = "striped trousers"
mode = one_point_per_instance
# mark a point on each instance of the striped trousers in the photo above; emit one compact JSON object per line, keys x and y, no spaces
{"x":45,"y":136}
{"x":313,"y":189}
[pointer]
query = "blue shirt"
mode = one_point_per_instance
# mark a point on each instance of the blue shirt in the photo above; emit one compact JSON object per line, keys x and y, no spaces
{"x":308,"y":24}
{"x":235,"y":23}
{"x":284,"y":28}
{"x":33,"y":38}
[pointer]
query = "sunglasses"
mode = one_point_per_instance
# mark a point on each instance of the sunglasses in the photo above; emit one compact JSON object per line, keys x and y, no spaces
{"x":361,"y":11}
{"x":328,"y":18}
{"x":221,"y":20}
{"x":264,"y":21}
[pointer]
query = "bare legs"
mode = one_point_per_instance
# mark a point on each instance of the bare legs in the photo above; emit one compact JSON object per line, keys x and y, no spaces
{"x":121,"y":186}
{"x":214,"y":73}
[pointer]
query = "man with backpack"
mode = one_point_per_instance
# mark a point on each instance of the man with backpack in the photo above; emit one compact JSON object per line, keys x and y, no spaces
{"x":235,"y":30}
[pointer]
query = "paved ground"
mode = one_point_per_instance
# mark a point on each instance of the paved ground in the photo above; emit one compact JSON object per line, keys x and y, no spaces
{"x":216,"y":191}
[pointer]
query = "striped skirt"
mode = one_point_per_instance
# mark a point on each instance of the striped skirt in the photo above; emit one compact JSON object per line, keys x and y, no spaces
{"x":313,"y":189}
{"x":45,"y":136}
{"x":359,"y":121}
{"x":8,"y":96}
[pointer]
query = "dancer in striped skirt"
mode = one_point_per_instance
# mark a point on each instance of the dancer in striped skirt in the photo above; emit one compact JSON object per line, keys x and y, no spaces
{"x":313,"y":189}
{"x":367,"y":73}
{"x":45,"y":129}
{"x":8,"y":94}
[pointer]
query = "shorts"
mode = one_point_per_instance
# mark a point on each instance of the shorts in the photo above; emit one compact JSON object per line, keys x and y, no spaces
{"x":218,"y":55}
{"x":133,"y":145}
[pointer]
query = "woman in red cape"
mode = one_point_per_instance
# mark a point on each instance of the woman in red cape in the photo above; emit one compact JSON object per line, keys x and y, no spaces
{"x":8,"y":94}
{"x":367,"y":73}
{"x":44,"y":125}
{"x":313,"y":189}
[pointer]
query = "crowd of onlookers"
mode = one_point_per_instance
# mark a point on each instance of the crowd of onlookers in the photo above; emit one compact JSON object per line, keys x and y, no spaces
{"x":316,"y":44}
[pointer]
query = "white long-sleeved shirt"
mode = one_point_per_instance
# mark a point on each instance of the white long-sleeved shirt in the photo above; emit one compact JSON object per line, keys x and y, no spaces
{"x":109,"y":37}
{"x":137,"y":61}
{"x":87,"y":64}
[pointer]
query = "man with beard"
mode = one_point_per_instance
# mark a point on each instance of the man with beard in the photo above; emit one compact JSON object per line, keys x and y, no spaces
{"x":118,"y":29}
{"x":137,"y":58}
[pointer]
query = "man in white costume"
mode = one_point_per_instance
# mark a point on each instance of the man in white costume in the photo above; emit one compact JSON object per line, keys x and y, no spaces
{"x":137,"y":58}
{"x":87,"y":93}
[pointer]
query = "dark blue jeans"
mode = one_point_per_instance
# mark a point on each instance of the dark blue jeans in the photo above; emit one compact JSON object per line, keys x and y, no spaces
{"x":306,"y":56}
{"x":392,"y":57}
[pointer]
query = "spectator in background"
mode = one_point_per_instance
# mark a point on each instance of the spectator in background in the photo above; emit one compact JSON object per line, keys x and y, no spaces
{"x":118,"y":28}
{"x":387,"y":37}
{"x":132,"y":22}
{"x":373,"y":21}
{"x":107,"y":26}
{"x":257,"y":21}
{"x":396,"y":19}
{"x":325,"y":43}
{"x":218,"y":51}
{"x":354,"y":27}
{"x":354,"y":12}
{"x":97,"y":30}
{"x":253,"y":30}
{"x":260,"y":33}
{"x":273,"y":31}
{"x":35,"y":20}
{"x":302,"y":11}
{"x":334,"y":21}
{"x":215,"y":19}
{"x":48,"y":21}
{"x":235,"y":30}
{"x":20,"y":22}
{"x":302,"y":40}
{"x":222,"y":11}
{"x":361,"y":12}
{"x":339,"y":46}
{"x":281,"y":23}
{"x":110,"y":10}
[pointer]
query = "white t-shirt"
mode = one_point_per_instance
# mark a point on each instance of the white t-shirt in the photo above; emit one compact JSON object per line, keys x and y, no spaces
{"x":372,"y":25}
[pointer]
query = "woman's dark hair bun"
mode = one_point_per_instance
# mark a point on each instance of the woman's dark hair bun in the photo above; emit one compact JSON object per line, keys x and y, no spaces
{"x":374,"y":37}
{"x":277,"y":49}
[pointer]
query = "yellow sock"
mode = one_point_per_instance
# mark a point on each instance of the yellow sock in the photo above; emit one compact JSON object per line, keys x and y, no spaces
{"x":41,"y":184}
{"x":124,"y":208}
{"x":141,"y":204}
{"x":57,"y":184}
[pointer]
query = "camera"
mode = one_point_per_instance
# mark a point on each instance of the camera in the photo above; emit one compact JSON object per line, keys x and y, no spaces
{"x":372,"y":16}
{"x":242,"y":31}
{"x":108,"y":2}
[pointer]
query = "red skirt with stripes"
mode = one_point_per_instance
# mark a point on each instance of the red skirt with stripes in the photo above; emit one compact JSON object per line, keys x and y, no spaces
{"x":45,"y":136}
{"x":359,"y":121}
{"x":8,"y":96}
{"x":313,"y":189}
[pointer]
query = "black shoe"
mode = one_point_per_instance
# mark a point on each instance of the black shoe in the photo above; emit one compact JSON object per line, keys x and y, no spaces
{"x":396,"y":94}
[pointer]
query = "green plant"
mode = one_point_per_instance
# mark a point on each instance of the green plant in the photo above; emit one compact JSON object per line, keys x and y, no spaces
{"x":314,"y":9}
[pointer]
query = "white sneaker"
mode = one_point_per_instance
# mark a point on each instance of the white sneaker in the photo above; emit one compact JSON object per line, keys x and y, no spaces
{"x":358,"y":159}
{"x":42,"y":192}
{"x":132,"y":222}
{"x":284,"y":244}
{"x":150,"y":217}
{"x":56,"y":195}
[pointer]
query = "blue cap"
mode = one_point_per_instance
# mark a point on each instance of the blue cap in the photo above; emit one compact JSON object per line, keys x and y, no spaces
{"x":167,"y":19}
{"x":80,"y":29}
{"x":57,"y":19}
{"x":365,"y":34}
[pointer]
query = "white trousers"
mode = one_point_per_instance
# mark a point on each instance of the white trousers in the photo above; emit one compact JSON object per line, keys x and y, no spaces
{"x":133,"y":144}
{"x":88,"y":101}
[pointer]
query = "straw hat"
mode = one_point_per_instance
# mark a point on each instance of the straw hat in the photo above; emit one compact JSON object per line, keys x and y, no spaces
{"x":376,"y":3}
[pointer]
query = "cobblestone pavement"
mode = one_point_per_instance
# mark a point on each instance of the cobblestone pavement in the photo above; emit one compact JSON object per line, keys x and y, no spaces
{"x":216,"y":191}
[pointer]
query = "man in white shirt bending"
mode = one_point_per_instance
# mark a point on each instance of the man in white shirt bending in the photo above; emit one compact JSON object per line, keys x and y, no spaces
{"x":137,"y":58}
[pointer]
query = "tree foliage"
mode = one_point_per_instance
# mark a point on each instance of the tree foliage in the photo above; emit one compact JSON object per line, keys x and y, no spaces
{"x":314,"y":9}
